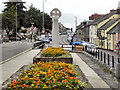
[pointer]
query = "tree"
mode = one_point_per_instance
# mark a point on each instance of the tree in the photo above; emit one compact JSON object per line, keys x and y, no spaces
{"x":8,"y":20}
{"x":9,"y":15}
{"x":48,"y":22}
{"x":33,"y":15}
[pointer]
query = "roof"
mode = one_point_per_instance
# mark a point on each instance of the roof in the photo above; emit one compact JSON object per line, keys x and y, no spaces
{"x":114,"y":29}
{"x":102,"y":18}
{"x":108,"y":24}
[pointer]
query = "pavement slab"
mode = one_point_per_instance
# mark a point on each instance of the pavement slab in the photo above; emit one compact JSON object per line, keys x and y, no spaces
{"x":95,"y":80}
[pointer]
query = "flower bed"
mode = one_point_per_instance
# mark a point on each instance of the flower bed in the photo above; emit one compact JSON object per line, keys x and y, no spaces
{"x":51,"y":54}
{"x":48,"y":75}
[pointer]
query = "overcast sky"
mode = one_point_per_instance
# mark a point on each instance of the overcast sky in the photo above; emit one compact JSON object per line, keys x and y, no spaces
{"x":82,"y":9}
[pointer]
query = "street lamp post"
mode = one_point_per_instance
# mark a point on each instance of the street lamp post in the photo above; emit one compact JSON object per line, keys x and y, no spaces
{"x":16,"y":19}
{"x":43,"y":13}
{"x":75,"y":24}
{"x":32,"y":28}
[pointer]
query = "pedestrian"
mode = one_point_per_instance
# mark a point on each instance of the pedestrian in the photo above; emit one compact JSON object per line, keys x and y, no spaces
{"x":85,"y":47}
{"x":71,"y":41}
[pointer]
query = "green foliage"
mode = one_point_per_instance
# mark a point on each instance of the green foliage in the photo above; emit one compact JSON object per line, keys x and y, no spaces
{"x":9,"y":16}
{"x":24,"y":18}
{"x":33,"y":15}
{"x":8,"y":19}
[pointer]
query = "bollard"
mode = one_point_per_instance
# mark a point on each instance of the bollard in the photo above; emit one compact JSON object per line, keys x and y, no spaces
{"x":72,"y":47}
{"x":62,"y":45}
{"x":113,"y":62}
{"x":94,"y":53}
{"x":118,"y":70}
{"x":108,"y":60}
{"x":118,"y":60}
{"x":101,"y":55}
{"x":98,"y":54}
{"x":104,"y":58}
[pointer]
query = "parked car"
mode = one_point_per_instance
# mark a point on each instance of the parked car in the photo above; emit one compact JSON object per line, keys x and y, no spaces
{"x":39,"y":38}
{"x":46,"y":40}
{"x":50,"y":38}
{"x":76,"y":41}
{"x":91,"y":48}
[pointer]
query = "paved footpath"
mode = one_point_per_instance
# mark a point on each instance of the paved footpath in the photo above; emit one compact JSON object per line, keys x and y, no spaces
{"x":92,"y":77}
{"x":10,"y":67}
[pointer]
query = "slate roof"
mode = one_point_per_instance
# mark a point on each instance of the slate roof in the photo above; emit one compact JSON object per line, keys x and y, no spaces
{"x":102,"y":18}
{"x":115,"y":29}
{"x":108,"y":24}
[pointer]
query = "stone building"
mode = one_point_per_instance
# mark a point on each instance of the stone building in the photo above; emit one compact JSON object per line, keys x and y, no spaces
{"x":82,"y":31}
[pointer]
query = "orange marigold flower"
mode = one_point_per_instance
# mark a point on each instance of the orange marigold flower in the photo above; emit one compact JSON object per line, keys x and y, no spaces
{"x":35,"y":63}
{"x":14,"y":86}
{"x":66,"y":76}
{"x":47,"y":82}
{"x":34,"y":82}
{"x":53,"y":80}
{"x":36,"y":86}
{"x":58,"y":84}
{"x":24,"y":85}
{"x":71,"y":78}
{"x":20,"y":86}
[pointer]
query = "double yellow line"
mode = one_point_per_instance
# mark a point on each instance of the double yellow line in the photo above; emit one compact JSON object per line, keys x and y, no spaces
{"x":16,"y":56}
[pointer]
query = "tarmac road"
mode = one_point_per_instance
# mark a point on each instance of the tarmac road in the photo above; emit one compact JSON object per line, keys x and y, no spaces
{"x":13,"y":48}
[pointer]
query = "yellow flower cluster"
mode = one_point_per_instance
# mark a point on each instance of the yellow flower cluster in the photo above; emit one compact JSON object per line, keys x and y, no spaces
{"x":48,"y":75}
{"x":53,"y":52}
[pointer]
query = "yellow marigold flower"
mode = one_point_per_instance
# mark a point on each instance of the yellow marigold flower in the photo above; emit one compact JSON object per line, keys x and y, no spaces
{"x":45,"y":85}
{"x":67,"y":85}
{"x":38,"y":75}
{"x":78,"y":81}
{"x":32,"y":85}
{"x":9,"y":87}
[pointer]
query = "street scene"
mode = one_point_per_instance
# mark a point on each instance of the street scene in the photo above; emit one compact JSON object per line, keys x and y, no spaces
{"x":59,"y":45}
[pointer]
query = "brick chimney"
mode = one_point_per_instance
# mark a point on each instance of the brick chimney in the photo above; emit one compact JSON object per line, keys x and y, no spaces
{"x":94,"y":16}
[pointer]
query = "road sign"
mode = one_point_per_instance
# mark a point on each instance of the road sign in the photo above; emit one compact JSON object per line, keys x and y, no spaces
{"x":32,"y":27}
{"x":117,"y":47}
{"x":43,"y":31}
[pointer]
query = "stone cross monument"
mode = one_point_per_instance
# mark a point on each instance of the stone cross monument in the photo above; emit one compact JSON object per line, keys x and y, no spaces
{"x":55,"y":14}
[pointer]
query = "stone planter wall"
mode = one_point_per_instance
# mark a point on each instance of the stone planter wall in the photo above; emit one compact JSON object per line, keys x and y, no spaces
{"x":52,"y":59}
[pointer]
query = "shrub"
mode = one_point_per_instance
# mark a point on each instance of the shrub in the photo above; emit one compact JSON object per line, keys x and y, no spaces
{"x":53,"y":52}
